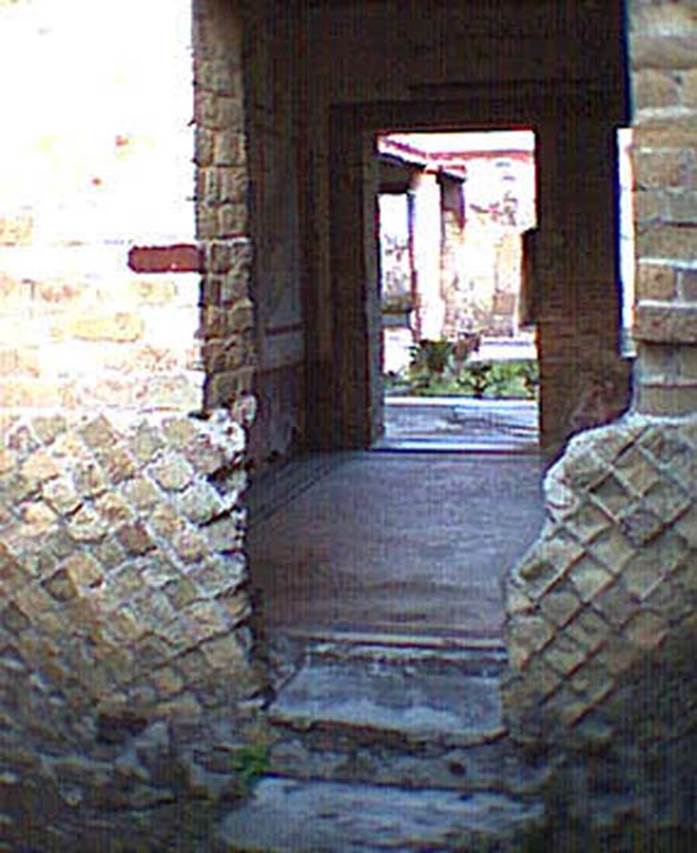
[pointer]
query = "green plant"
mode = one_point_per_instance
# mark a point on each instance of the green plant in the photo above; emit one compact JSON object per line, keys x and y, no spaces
{"x":474,"y":378}
{"x":250,"y":762}
{"x":431,"y":356}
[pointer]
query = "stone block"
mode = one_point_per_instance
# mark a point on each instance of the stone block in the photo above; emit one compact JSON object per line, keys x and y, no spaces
{"x":113,"y":508}
{"x":655,"y":282}
{"x":663,"y":19}
{"x":40,"y":467}
{"x":657,"y":170}
{"x":667,"y":241}
{"x":589,"y":578}
{"x":655,"y":89}
{"x":674,"y":602}
{"x":666,"y":401}
{"x":61,"y":586}
{"x":638,"y":471}
{"x":223,"y":653}
{"x":563,"y":655}
{"x":229,"y":149}
{"x":611,"y":495}
{"x":37,"y":518}
{"x":164,"y":520}
{"x":207,"y":225}
{"x":201,"y":503}
{"x":583,"y":468}
{"x":158,"y":570}
{"x":666,"y":323}
{"x":141,"y":493}
{"x":167,"y":681}
{"x":560,"y":604}
{"x":681,"y":207}
{"x":49,"y":427}
{"x":688,"y":87}
{"x":225,"y":534}
{"x":687,"y":285}
{"x":526,"y":636}
{"x":145,"y":443}
{"x":646,"y":630}
{"x":83,"y":570}
{"x":650,"y":206}
{"x":13,"y":619}
{"x":613,"y":549}
{"x":204,"y":147}
{"x":232,"y":220}
{"x":135,"y":539}
{"x":673,"y":52}
{"x":231,"y":113}
{"x":109,"y":553}
{"x":189,"y":546}
{"x":643,"y":575}
{"x":587,"y":522}
{"x":640,"y":525}
{"x":172,"y":392}
{"x":233,"y":185}
{"x":686,"y":527}
{"x":589,"y":630}
{"x":172,"y":473}
{"x":118,"y":327}
{"x":179,"y":432}
{"x":155,"y":291}
{"x":615,"y":605}
{"x":118,"y":464}
{"x":657,"y":363}
{"x":667,"y":500}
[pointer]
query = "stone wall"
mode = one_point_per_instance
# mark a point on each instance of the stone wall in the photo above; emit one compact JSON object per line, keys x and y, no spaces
{"x":222,"y":211}
{"x":83,"y":186}
{"x":601,"y":611}
{"x":127,"y":364}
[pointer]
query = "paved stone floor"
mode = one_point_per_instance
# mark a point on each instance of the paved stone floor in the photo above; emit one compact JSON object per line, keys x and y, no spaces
{"x":461,"y":423}
{"x":394,"y":542}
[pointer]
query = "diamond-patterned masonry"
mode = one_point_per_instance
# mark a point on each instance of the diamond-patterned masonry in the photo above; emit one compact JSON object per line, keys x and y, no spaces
{"x":121,"y":557}
{"x":612,"y":576}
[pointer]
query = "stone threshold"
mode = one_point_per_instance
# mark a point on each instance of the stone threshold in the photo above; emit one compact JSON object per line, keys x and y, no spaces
{"x":414,"y":696}
{"x":286,"y":814}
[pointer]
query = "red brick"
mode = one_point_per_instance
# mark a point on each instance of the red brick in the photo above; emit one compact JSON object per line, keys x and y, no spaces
{"x":183,"y":257}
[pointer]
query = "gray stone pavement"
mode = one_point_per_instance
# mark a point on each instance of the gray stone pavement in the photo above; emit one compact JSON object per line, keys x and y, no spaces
{"x":461,"y":423}
{"x":411,"y":543}
{"x":323,"y":817}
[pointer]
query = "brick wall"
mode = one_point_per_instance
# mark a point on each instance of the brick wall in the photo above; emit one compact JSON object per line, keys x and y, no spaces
{"x":664,"y":154}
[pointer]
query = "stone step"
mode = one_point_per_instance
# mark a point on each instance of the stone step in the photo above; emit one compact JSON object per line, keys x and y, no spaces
{"x":289,"y":815}
{"x":415,"y":700}
{"x":405,"y":716}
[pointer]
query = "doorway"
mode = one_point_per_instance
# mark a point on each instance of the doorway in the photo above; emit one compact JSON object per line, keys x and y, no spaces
{"x":456,"y":221}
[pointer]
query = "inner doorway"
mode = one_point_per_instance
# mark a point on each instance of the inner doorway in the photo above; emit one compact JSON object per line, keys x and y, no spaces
{"x":457,"y":217}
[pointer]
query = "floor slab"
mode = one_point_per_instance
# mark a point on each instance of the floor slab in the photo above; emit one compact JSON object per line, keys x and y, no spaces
{"x":327,"y":817}
{"x":408,"y":543}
